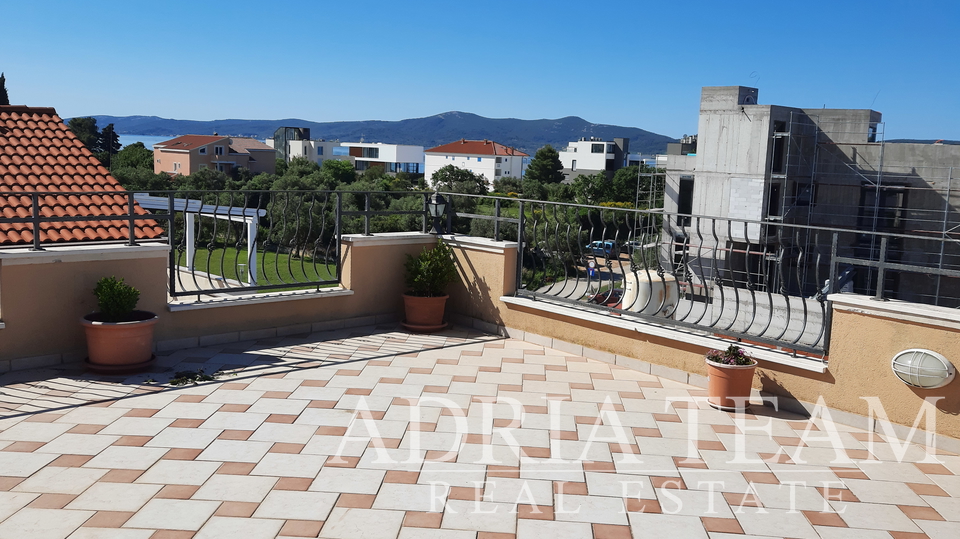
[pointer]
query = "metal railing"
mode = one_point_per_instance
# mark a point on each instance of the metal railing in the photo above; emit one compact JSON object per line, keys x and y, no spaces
{"x":758,"y":281}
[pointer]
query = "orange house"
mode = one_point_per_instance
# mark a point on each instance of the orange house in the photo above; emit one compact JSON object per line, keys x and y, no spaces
{"x":189,"y":153}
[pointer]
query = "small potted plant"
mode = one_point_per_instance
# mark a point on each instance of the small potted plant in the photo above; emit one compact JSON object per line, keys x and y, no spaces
{"x":427,"y":277}
{"x":730,"y":378}
{"x":119,"y":337}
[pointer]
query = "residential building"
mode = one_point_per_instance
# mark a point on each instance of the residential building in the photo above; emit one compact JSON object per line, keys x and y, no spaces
{"x":820,"y":167}
{"x":189,"y":153}
{"x":38,"y":152}
{"x":392,"y":158}
{"x":484,"y":157}
{"x":292,"y":142}
{"x":592,"y":155}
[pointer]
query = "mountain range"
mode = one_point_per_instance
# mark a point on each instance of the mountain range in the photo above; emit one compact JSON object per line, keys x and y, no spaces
{"x":525,"y":135}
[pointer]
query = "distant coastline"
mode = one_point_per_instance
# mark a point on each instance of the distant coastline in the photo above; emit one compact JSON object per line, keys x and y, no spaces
{"x":147,"y":140}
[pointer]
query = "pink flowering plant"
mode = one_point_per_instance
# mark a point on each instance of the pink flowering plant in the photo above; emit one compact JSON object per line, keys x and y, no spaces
{"x":733,"y":355}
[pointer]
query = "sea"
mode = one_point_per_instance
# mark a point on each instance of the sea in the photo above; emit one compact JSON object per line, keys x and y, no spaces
{"x":147,"y":140}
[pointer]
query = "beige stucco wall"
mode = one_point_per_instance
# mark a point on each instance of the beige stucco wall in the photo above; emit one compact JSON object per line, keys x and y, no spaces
{"x":43,"y":296}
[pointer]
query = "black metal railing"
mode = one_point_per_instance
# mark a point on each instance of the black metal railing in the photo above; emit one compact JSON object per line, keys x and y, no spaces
{"x":757,"y":281}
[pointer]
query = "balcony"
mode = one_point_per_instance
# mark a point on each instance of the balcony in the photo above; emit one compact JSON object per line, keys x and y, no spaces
{"x":531,"y":414}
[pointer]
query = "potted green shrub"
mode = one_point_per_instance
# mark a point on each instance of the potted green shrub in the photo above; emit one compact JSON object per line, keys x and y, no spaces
{"x":119,"y":337}
{"x":427,"y":277}
{"x":729,"y":378}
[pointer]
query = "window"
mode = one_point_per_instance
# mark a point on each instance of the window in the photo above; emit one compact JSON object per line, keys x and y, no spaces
{"x":176,"y":167}
{"x":319,"y":150}
{"x":574,"y":165}
{"x":479,"y":159}
{"x":609,"y":148}
{"x":371,"y":153}
{"x":341,"y":150}
{"x":872,"y":133}
{"x":218,"y":150}
{"x":774,"y":206}
{"x":203,"y":150}
{"x":685,"y":200}
{"x":596,"y":148}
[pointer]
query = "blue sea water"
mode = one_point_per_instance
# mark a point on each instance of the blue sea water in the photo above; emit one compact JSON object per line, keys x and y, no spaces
{"x":147,"y":140}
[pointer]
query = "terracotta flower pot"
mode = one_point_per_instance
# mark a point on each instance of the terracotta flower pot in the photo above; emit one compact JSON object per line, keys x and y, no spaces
{"x":728,"y":386}
{"x":119,"y":347}
{"x":424,"y":314}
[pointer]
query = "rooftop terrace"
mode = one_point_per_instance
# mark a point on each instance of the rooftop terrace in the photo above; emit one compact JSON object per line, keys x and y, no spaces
{"x":377,"y":433}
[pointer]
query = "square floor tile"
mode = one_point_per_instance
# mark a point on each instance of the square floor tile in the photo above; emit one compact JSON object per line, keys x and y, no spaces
{"x":289,"y":465}
{"x":115,"y":497}
{"x":412,"y":497}
{"x":23,"y":464}
{"x":124,"y":457}
{"x":235,"y":488}
{"x":167,"y":514}
{"x":347,"y":523}
{"x":179,"y":472}
{"x":594,"y":509}
{"x":235,"y":451}
{"x":348,"y":480}
{"x":61,"y":480}
{"x":672,"y":526}
{"x":295,"y":505}
{"x":42,"y":523}
{"x":518,"y":491}
{"x":11,"y":502}
{"x":247,"y":528}
{"x":479,"y":516}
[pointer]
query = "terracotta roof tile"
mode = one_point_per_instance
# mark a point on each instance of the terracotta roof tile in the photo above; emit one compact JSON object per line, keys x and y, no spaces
{"x":38,"y":152}
{"x":476,"y":147}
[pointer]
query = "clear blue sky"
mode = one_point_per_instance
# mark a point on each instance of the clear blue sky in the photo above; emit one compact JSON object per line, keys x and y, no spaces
{"x":633,"y":63}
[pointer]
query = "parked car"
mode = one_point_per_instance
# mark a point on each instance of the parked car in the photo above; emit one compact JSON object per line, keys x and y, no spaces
{"x":607,"y":249}
{"x":610,"y":298}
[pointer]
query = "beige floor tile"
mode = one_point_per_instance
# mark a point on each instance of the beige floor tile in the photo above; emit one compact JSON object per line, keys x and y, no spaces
{"x":42,"y":523}
{"x":659,"y":525}
{"x":235,"y":488}
{"x":157,"y":514}
{"x":11,"y":502}
{"x":124,"y":457}
{"x":288,"y":465}
{"x":29,"y":431}
{"x":231,"y":528}
{"x":288,"y":504}
{"x":114,"y":497}
{"x":349,"y":480}
{"x":198,"y":438}
{"x":428,"y":497}
{"x":110,"y":533}
{"x":138,"y":426}
{"x":179,"y":472}
{"x":61,"y":480}
{"x":235,"y":451}
{"x":344,"y":523}
{"x":479,"y":516}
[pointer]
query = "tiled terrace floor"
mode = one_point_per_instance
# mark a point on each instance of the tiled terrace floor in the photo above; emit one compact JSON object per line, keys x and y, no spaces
{"x":254,"y":454}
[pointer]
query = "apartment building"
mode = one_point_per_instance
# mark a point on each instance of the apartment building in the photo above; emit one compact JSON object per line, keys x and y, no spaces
{"x":484,"y":157}
{"x":291,"y":142}
{"x":762,"y":165}
{"x":190,"y":153}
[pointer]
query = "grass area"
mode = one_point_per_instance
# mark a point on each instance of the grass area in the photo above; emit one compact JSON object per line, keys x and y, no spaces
{"x":272,"y":268}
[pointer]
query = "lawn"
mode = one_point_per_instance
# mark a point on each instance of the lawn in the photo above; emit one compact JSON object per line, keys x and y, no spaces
{"x":272,"y":267}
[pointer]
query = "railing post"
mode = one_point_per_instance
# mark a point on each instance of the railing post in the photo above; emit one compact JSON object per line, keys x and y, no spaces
{"x":35,"y":217}
{"x":520,"y":235}
{"x":881,"y":269}
{"x":426,"y":212}
{"x":833,"y":264}
{"x":496,"y":223}
{"x":337,"y":230}
{"x":171,"y":235}
{"x":131,"y":215}
{"x":449,"y":210}
{"x":366,"y":214}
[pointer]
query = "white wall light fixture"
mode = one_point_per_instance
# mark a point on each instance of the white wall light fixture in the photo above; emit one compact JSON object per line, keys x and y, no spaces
{"x":921,"y":368}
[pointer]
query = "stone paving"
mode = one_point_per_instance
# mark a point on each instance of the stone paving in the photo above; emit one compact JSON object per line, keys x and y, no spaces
{"x":376,"y":433}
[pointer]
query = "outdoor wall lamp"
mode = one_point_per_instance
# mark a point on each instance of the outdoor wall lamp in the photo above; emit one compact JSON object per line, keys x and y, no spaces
{"x":436,"y":207}
{"x":921,"y":368}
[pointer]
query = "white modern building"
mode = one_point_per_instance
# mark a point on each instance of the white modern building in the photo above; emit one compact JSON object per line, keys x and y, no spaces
{"x":592,"y":155}
{"x":291,"y":142}
{"x":485,"y":157}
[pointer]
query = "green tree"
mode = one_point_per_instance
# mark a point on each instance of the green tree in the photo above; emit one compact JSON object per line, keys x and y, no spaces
{"x":545,"y":167}
{"x":134,"y":155}
{"x":86,"y":130}
{"x":141,"y":179}
{"x":507,"y":184}
{"x":459,"y":180}
{"x":338,"y":172}
{"x":4,"y":98}
{"x":592,"y":189}
{"x":108,"y":144}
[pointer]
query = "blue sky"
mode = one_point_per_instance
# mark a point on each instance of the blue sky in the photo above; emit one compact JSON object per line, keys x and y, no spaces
{"x":633,"y":63}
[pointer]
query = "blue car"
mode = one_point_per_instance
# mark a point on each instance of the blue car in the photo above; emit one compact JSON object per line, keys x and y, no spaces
{"x":605,"y":249}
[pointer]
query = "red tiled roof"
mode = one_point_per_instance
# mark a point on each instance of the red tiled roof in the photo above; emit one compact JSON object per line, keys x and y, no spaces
{"x":476,"y":147}
{"x":189,"y":142}
{"x":39,"y":153}
{"x":245,"y":144}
